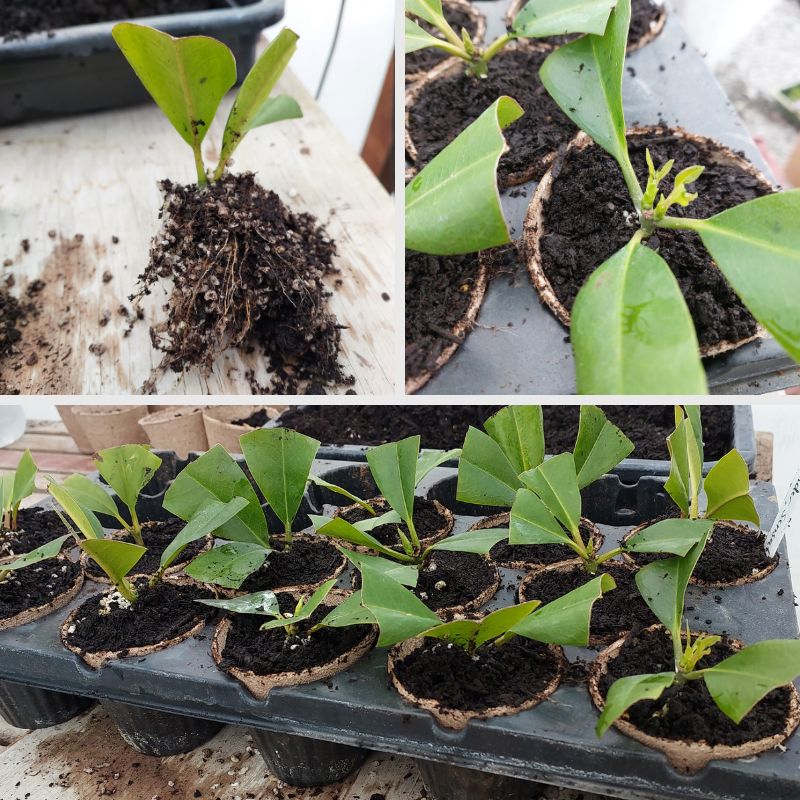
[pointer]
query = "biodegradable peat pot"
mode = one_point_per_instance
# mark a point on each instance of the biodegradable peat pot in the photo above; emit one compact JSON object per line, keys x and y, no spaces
{"x":69,"y":577}
{"x":36,"y":526}
{"x":220,"y":428}
{"x":460,"y":664}
{"x":717,"y":158}
{"x":74,"y":428}
{"x":648,"y":18}
{"x":720,"y":556}
{"x":182,"y":617}
{"x":178,"y":428}
{"x":532,"y":556}
{"x":449,"y":782}
{"x":260,"y":684}
{"x":30,"y":707}
{"x":110,"y":426}
{"x":689,"y":756}
{"x":613,"y":615}
{"x":460,"y":14}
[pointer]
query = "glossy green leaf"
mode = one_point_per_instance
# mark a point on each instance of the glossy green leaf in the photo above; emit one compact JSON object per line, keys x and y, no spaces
{"x":24,"y":478}
{"x":453,"y":204}
{"x":540,"y":18}
{"x":394,"y":467}
{"x":340,"y":490}
{"x":127,"y":470}
{"x":600,"y":446}
{"x":631,"y":329}
{"x":310,"y":605}
{"x":407,"y":574}
{"x":6,"y":491}
{"x":228,"y":565}
{"x":417,"y":38}
{"x":519,"y":430}
{"x":532,"y":523}
{"x":695,"y":417}
{"x":115,"y":557}
{"x":627,"y":691}
{"x":676,"y":536}
{"x":349,"y":612}
{"x":429,"y":10}
{"x":339,"y":528}
{"x":757,"y":247}
{"x":485,"y":475}
{"x":43,"y":553}
{"x":727,"y":488}
{"x":430,"y":459}
{"x":479,"y":541}
{"x":262,"y":603}
{"x":91,"y":495}
{"x":555,"y":482}
{"x":84,"y":519}
{"x":686,"y":466}
{"x":276,"y":109}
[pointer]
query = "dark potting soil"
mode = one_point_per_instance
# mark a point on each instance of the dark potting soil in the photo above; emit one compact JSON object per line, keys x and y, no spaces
{"x":646,"y":426}
{"x":159,"y":614}
{"x":305,"y":562}
{"x":728,"y":555}
{"x":427,"y":521}
{"x":495,"y":676}
{"x":35,"y":527}
{"x":271,"y":652}
{"x":505,"y":553}
{"x":448,"y":104}
{"x":423,"y":60}
{"x":12,"y":318}
{"x":258,"y":419}
{"x":587,"y":218}
{"x":246,"y":272}
{"x":622,"y":609}
{"x":449,"y":579}
{"x":36,"y":585}
{"x":18,"y":18}
{"x":687,"y":711}
{"x":157,"y":537}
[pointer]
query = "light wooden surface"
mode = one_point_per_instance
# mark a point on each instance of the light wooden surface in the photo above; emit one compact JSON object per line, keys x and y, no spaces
{"x":95,"y":177}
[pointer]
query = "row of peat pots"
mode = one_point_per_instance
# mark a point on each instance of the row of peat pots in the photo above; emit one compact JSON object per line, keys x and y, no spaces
{"x":315,"y":722}
{"x":494,"y":323}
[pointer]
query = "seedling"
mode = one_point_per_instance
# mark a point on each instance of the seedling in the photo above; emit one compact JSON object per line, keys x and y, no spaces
{"x":189,"y":76}
{"x":14,"y":488}
{"x":539,"y":18}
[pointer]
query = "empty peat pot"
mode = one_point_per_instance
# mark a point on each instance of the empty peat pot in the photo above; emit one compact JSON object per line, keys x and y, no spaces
{"x":449,"y":782}
{"x":685,"y":723}
{"x":30,"y":707}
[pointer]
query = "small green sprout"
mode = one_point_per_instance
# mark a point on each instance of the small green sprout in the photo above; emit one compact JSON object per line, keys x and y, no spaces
{"x":14,"y":488}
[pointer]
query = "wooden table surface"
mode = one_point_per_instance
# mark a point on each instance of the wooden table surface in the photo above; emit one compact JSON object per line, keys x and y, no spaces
{"x":68,"y":186}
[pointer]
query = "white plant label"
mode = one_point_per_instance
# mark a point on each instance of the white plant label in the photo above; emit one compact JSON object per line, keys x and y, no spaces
{"x":788,"y":519}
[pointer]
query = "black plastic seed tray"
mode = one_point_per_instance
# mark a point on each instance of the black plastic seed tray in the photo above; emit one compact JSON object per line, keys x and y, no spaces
{"x":553,"y":743}
{"x":518,"y":346}
{"x":80,"y":69}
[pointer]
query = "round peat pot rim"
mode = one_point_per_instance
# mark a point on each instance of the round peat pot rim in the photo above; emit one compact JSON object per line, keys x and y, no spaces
{"x":447,"y":68}
{"x":502,"y":521}
{"x":684,"y":755}
{"x":480,"y":31}
{"x":441,"y":533}
{"x":176,"y":568}
{"x":59,"y":601}
{"x":533,"y":228}
{"x":477,"y":602}
{"x":462,"y":327}
{"x":456,"y":719}
{"x":656,"y":26}
{"x":98,"y":659}
{"x":743,"y":581}
{"x":261,"y":685}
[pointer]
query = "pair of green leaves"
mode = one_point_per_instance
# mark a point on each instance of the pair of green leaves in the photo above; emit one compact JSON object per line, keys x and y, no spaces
{"x":15,"y":487}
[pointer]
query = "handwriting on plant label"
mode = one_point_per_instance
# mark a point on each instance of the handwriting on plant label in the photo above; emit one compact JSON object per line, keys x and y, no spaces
{"x":788,"y":518}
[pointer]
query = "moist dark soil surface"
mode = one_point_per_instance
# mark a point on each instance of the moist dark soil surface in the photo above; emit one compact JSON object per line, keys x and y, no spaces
{"x":36,"y":585}
{"x":423,"y":60}
{"x":505,"y":553}
{"x":447,"y":105}
{"x":586,"y":222}
{"x":304,"y":562}
{"x":622,"y":609}
{"x":18,"y":18}
{"x":646,"y":426}
{"x":258,"y":419}
{"x":160,"y":614}
{"x":495,"y":676}
{"x":35,"y":528}
{"x":427,"y":521}
{"x":728,"y":555}
{"x":271,"y":652}
{"x":157,"y":537}
{"x":246,"y":272}
{"x":688,"y":711}
{"x":453,"y":579}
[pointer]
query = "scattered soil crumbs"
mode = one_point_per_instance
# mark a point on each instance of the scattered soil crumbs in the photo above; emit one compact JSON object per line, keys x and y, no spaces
{"x":14,"y":316}
{"x":35,"y":527}
{"x":246,"y":271}
{"x":35,"y":586}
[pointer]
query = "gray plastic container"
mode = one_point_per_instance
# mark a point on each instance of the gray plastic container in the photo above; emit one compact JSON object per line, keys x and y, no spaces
{"x":80,"y":69}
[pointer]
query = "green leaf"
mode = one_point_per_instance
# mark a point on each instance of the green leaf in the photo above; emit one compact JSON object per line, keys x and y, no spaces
{"x":686,"y":466}
{"x":332,"y":487}
{"x":91,"y":495}
{"x":453,"y":204}
{"x":394,"y":468}
{"x":757,"y":247}
{"x":631,"y":329}
{"x":417,"y":38}
{"x":387,"y":518}
{"x":277,"y":109}
{"x":600,"y":446}
{"x":745,"y":678}
{"x":540,"y":18}
{"x":532,"y":523}
{"x":407,"y":574}
{"x":727,"y":488}
{"x":430,"y":459}
{"x":85,"y":521}
{"x":339,"y":528}
{"x":115,"y":557}
{"x":519,"y":430}
{"x":485,"y":475}
{"x":349,"y":612}
{"x":627,"y":691}
{"x":676,"y":536}
{"x":216,"y":476}
{"x":127,"y":470}
{"x":429,"y":10}
{"x":250,"y":108}
{"x":693,"y":413}
{"x":280,"y":461}
{"x":43,"y":553}
{"x":309,"y":607}
{"x":207,"y":520}
{"x":6,"y":491}
{"x":555,"y":482}
{"x":480,"y":541}
{"x":565,"y":621}
{"x":460,"y":632}
{"x":228,"y":565}
{"x":24,"y":479}
{"x":187,"y":77}
{"x":261,"y":603}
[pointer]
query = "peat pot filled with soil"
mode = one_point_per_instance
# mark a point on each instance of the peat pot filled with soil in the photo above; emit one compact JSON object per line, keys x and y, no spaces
{"x":733,"y":556}
{"x":685,"y":723}
{"x":581,"y":214}
{"x":35,"y":527}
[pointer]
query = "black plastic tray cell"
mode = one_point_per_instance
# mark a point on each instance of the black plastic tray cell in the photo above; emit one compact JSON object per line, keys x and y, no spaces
{"x":80,"y":69}
{"x":518,"y":346}
{"x":553,"y":743}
